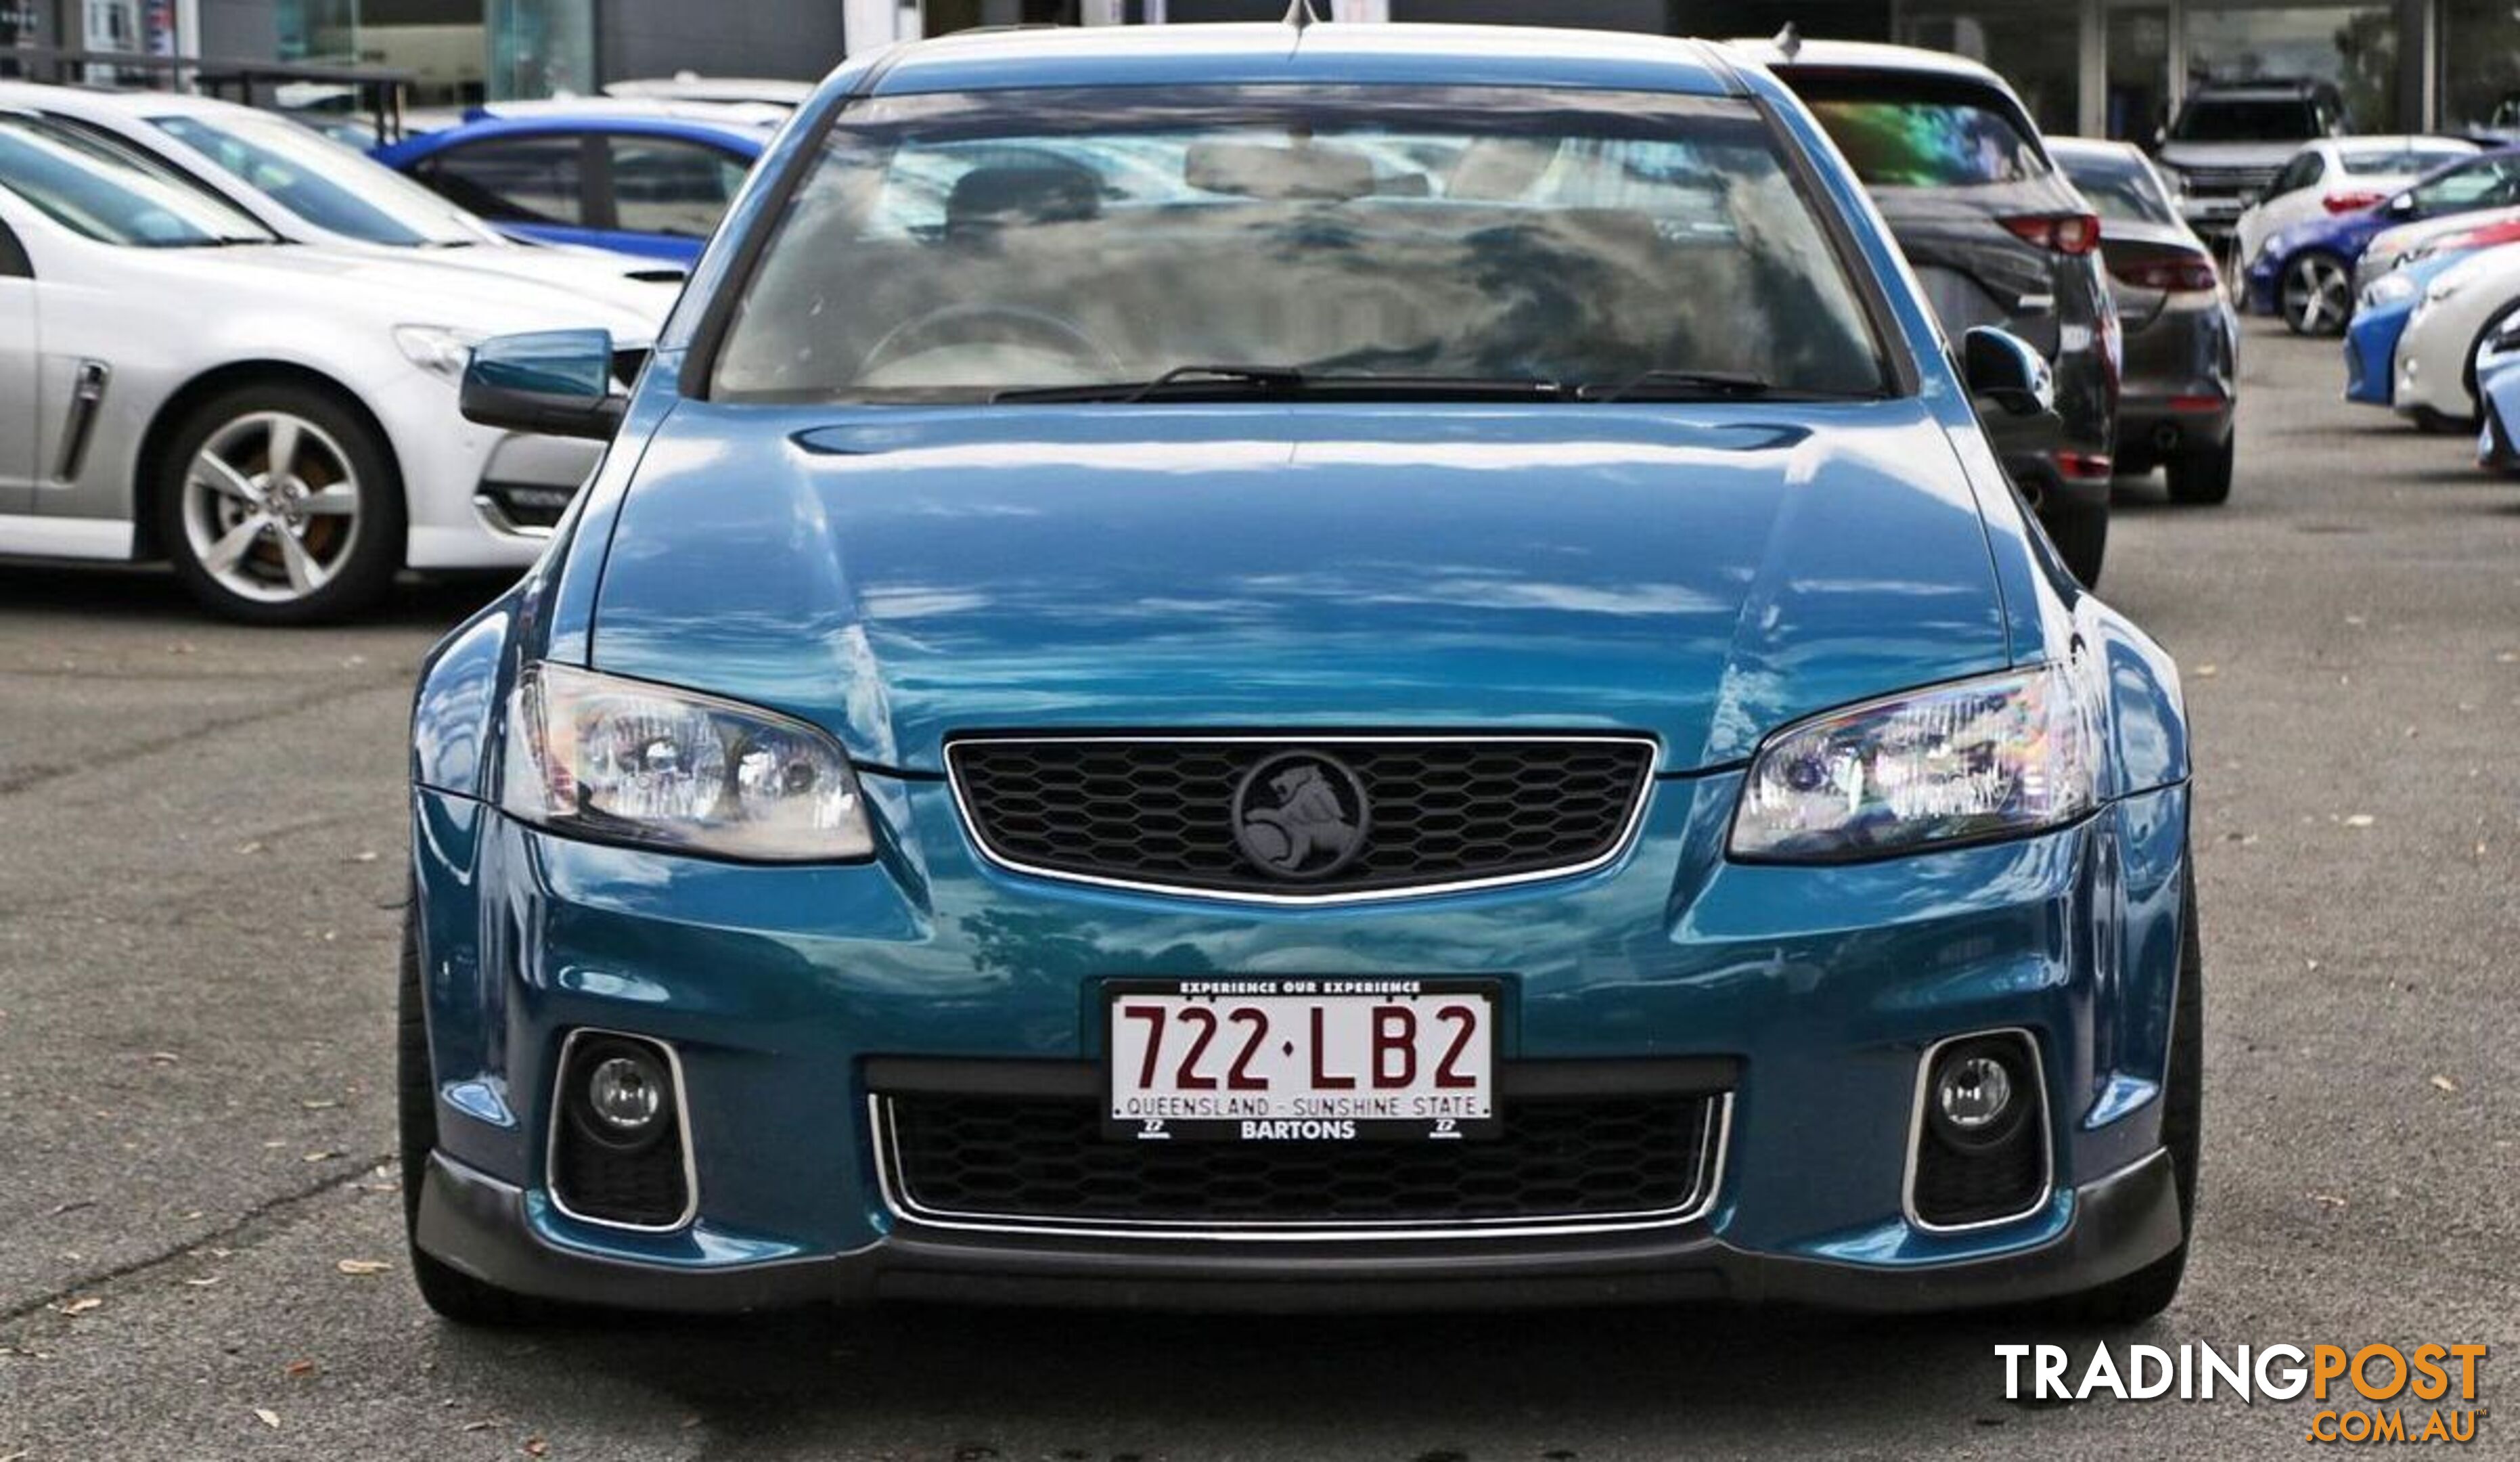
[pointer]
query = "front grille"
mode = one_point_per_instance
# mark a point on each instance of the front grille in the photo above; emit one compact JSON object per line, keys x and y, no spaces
{"x":1045,"y":1162}
{"x":2216,"y":181}
{"x":1162,"y":814}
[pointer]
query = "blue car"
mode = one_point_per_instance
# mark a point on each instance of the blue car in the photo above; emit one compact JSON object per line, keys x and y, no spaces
{"x":650,"y":185}
{"x":1297,"y":667}
{"x":2305,"y":273}
{"x":2371,"y":341}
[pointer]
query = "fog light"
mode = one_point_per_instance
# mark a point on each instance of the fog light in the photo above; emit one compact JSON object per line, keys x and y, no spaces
{"x":1973,"y":1094}
{"x":625,"y":1093}
{"x":1977,"y":1099}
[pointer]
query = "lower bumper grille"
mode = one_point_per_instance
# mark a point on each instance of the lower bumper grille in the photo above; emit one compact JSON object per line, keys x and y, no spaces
{"x":1043,"y":1164}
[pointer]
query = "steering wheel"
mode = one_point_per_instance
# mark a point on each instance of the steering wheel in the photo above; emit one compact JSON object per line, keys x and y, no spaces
{"x":1039,"y":324}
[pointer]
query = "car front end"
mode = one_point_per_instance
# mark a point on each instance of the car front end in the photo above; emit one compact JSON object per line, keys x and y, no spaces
{"x":2381,"y":318}
{"x":966,"y":811}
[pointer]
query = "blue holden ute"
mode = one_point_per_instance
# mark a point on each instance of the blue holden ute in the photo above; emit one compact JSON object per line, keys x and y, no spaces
{"x":1297,"y":667}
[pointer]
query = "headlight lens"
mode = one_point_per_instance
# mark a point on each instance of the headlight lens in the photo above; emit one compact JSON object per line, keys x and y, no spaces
{"x":625,"y":761}
{"x":1980,"y":759}
{"x":442,"y":350}
{"x":2389,"y":289}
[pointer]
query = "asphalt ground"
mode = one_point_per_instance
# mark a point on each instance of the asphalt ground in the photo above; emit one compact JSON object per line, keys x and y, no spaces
{"x":201,"y":1257}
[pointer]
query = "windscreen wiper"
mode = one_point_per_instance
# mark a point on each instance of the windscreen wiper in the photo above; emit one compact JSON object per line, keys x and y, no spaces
{"x":1179,"y":380}
{"x":1288,"y":381}
{"x":1662,"y":385}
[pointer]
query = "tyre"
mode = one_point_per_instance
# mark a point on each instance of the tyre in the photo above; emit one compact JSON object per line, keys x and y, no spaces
{"x":2203,"y":477}
{"x":2149,"y":1290}
{"x":280,"y":505}
{"x":451,"y":1293}
{"x":2316,"y":294}
{"x":2081,"y":534}
{"x":2437,"y":424}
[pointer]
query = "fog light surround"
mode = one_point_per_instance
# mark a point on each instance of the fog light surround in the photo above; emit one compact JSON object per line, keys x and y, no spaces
{"x":620,"y":1152}
{"x":1979,"y":1146}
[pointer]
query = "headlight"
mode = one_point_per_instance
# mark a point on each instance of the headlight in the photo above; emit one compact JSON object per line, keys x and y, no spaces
{"x":625,"y":760}
{"x":1994,"y":757}
{"x":439,"y":350}
{"x":2389,"y":289}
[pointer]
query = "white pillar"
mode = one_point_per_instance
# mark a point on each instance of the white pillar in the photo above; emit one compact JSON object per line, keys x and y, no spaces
{"x":2091,"y":115}
{"x":1360,"y":12}
{"x":869,"y":24}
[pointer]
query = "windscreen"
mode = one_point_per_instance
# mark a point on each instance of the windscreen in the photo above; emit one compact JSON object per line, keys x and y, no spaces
{"x":959,"y":247}
{"x":93,"y":190}
{"x":2244,"y":120}
{"x":324,"y":182}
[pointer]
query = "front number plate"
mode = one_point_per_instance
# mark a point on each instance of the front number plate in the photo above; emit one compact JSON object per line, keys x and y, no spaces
{"x":1302,"y":1059}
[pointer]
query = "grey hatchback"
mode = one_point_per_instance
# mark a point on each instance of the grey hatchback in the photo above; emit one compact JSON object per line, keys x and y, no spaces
{"x":2183,"y":343}
{"x":1996,"y":235}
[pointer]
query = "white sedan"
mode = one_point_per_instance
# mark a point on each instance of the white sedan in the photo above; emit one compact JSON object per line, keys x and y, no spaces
{"x":2436,"y":357}
{"x":2340,"y":175}
{"x":275,"y":420}
{"x":311,"y":190}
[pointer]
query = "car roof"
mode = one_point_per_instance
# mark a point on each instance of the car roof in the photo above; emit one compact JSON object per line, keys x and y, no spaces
{"x":749,"y":140}
{"x":1259,"y":53}
{"x":2393,"y":142}
{"x":91,"y":100}
{"x":1864,"y":55}
{"x":2093,"y":149}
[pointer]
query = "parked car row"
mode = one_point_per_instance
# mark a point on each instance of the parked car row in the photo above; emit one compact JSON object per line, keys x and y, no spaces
{"x":231,"y":344}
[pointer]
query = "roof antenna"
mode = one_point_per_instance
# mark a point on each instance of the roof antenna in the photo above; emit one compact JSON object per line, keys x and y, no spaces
{"x":1300,"y":13}
{"x":1788,"y":42}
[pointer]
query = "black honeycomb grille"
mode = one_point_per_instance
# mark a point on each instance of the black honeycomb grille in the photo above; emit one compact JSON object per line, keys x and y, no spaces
{"x":1046,"y":1160}
{"x":1160,"y":812}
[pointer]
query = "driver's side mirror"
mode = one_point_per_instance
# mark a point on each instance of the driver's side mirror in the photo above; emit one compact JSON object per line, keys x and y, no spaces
{"x":552,"y":382}
{"x":2001,"y":367}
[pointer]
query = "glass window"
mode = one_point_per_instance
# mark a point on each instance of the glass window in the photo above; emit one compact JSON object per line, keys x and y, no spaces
{"x":539,"y":48}
{"x":2486,"y":183}
{"x":2404,"y":162}
{"x":92,"y":190}
{"x":1927,"y":144}
{"x":2297,"y":175}
{"x":664,"y":186}
{"x":322,"y":181}
{"x":514,"y":179}
{"x":949,"y":247}
{"x":2350,"y":50}
{"x":2029,"y":43}
{"x":2120,"y":187}
{"x":2480,"y":62}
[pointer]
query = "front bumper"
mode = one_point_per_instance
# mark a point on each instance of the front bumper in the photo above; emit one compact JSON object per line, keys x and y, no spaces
{"x":484,"y":1227}
{"x":2371,"y":353}
{"x":1821,"y":988}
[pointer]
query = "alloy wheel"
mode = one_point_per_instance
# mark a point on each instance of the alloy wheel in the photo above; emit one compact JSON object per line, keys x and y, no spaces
{"x":2318,"y":295}
{"x":271,"y":507}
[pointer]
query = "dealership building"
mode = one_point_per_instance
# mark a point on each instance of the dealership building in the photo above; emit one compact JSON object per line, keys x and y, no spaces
{"x":2113,"y":67}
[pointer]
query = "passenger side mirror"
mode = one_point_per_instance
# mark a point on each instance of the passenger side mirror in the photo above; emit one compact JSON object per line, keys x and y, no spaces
{"x":553,"y":383}
{"x":2001,"y":367}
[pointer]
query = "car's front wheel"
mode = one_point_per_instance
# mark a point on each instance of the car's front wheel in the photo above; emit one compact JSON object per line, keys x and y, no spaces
{"x":280,"y":505}
{"x":2149,"y":1290}
{"x":449,"y":1291}
{"x":2317,"y":294}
